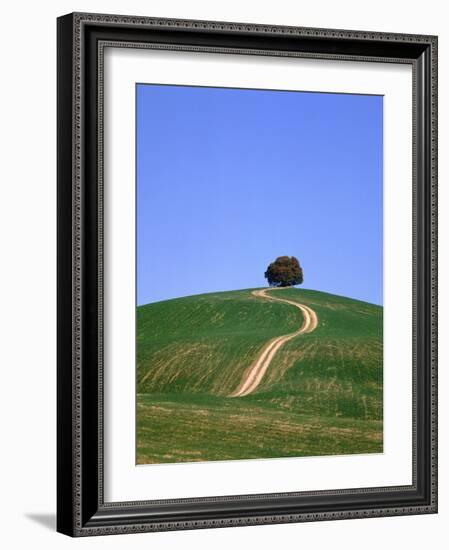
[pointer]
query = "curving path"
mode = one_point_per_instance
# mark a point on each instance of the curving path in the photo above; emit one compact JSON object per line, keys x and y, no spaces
{"x":253,"y":377}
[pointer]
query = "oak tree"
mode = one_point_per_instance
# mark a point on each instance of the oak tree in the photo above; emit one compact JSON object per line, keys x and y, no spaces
{"x":284,"y":271}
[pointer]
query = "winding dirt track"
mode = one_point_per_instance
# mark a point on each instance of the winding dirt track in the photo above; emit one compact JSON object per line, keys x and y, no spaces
{"x":254,"y":375}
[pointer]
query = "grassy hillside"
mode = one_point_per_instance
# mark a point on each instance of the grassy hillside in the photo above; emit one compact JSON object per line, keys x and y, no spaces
{"x":322,"y":394}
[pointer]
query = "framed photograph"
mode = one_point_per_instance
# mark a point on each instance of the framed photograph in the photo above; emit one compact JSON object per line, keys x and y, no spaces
{"x":247,"y":245}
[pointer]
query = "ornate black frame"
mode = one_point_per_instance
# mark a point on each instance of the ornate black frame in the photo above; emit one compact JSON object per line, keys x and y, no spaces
{"x":81,"y":509}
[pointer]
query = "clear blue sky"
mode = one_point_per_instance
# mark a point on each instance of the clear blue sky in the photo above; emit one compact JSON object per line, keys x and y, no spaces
{"x":229,"y":179}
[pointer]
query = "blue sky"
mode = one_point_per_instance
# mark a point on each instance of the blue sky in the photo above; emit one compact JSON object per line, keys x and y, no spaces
{"x":229,"y":179}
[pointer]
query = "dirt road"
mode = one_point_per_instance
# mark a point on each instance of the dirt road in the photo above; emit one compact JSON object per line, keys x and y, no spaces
{"x":254,"y":375}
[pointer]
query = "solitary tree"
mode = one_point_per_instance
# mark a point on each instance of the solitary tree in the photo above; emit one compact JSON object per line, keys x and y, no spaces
{"x":284,"y":271}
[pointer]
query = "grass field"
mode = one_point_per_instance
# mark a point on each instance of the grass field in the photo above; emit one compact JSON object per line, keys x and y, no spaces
{"x":321,"y":395}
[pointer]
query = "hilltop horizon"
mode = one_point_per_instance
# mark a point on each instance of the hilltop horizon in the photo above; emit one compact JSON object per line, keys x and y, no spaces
{"x":251,"y":288}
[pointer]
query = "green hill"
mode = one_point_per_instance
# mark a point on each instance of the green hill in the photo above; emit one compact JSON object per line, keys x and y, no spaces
{"x":322,"y":393}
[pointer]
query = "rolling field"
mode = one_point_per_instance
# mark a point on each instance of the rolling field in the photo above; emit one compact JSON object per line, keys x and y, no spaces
{"x":321,"y":394}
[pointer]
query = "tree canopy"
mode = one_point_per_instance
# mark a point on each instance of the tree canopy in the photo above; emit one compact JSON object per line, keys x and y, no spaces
{"x":284,"y":271}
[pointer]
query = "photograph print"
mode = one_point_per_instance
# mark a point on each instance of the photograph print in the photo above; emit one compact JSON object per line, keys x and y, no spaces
{"x":259,"y":259}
